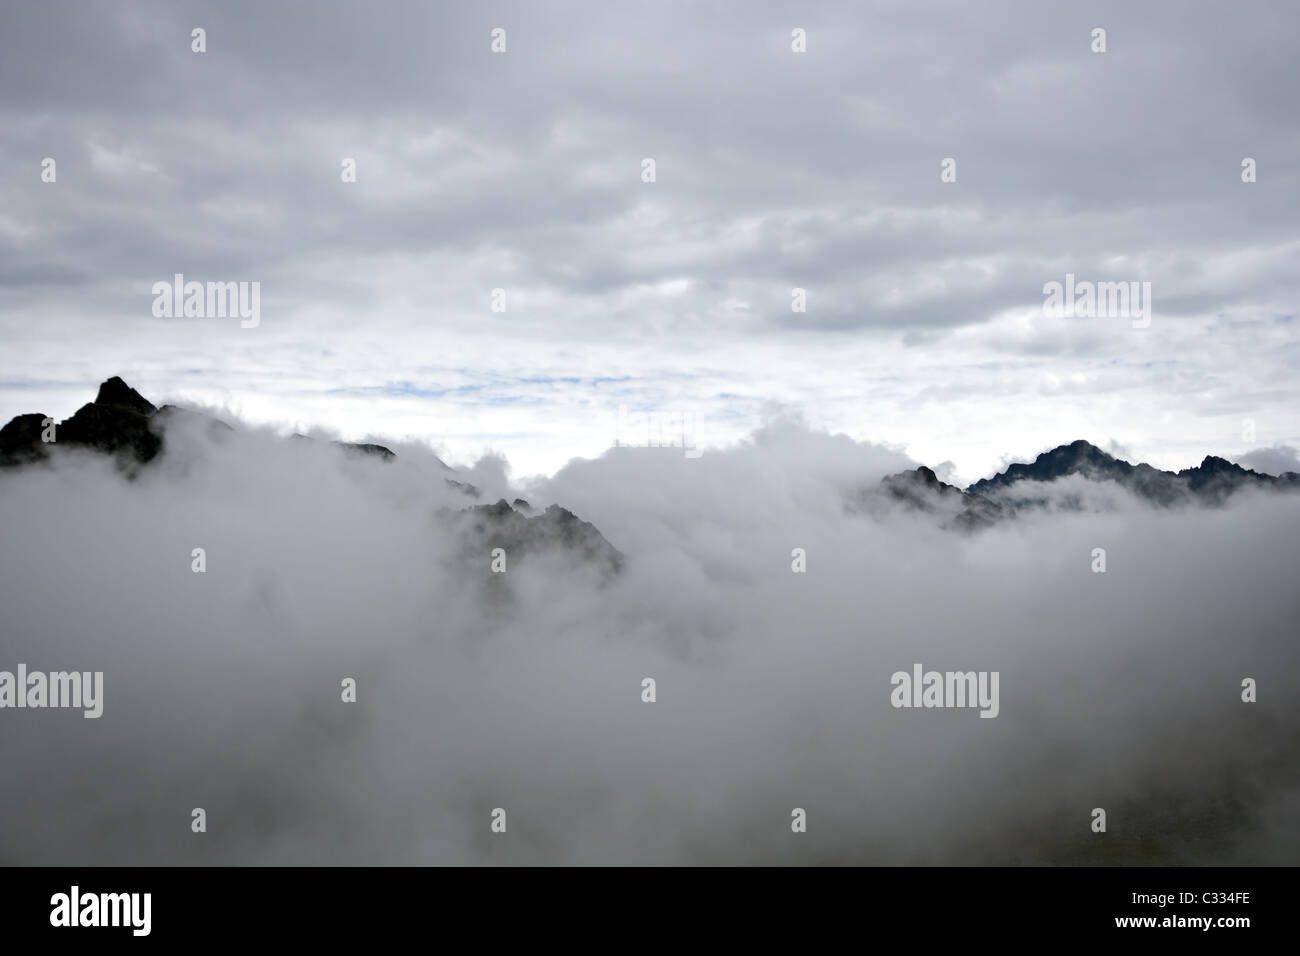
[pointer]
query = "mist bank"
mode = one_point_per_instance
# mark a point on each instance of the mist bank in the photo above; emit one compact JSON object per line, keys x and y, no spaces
{"x":523,"y":689}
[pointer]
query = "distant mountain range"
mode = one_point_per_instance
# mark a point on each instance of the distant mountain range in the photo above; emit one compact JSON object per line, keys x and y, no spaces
{"x":1211,"y":482}
{"x":921,"y":490}
{"x":123,"y":423}
{"x":1027,"y":485}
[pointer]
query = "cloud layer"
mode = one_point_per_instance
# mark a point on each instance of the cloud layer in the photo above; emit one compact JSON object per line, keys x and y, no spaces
{"x":523,"y":691}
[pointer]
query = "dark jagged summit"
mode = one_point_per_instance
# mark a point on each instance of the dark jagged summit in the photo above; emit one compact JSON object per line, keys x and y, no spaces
{"x":114,"y":429}
{"x":122,"y":422}
{"x":499,"y":525}
{"x":20,"y":440}
{"x":921,"y":490}
{"x":116,"y":422}
{"x":1078,"y":457}
{"x":117,"y":393}
{"x":1215,"y":478}
{"x":1210,"y":482}
{"x":1021,"y":487}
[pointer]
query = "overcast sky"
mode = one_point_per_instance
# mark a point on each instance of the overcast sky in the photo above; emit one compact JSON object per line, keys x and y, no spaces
{"x":522,"y":171}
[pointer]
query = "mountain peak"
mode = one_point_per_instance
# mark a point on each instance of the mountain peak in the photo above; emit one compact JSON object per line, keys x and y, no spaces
{"x":921,"y":490}
{"x":117,"y":393}
{"x":1216,"y":463}
{"x":1078,"y":457}
{"x":1079,"y":449}
{"x":1210,"y":482}
{"x":927,"y":475}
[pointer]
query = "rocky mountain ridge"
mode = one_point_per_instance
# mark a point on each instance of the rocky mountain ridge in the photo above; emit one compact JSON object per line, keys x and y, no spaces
{"x":1025,"y":486}
{"x":123,"y":423}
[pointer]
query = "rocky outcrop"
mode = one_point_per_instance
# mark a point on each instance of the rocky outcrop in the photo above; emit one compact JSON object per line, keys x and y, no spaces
{"x":1210,"y":483}
{"x":122,"y":422}
{"x":520,"y":535}
{"x":20,"y":440}
{"x":367,"y":448}
{"x":920,"y":490}
{"x":116,"y":423}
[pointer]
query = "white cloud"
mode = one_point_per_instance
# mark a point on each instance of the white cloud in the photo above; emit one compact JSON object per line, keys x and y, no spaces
{"x":222,"y":688}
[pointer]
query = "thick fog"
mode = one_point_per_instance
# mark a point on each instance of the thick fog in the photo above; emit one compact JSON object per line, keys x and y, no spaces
{"x":523,"y":691}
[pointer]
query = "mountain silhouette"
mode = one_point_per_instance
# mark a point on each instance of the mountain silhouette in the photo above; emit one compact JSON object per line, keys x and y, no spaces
{"x":921,"y":490}
{"x":522,"y":534}
{"x":123,"y":423}
{"x":1211,"y":482}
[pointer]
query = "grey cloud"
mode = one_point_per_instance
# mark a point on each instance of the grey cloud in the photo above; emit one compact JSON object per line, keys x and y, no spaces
{"x":1276,"y":460}
{"x":222,"y":689}
{"x":1062,"y":154}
